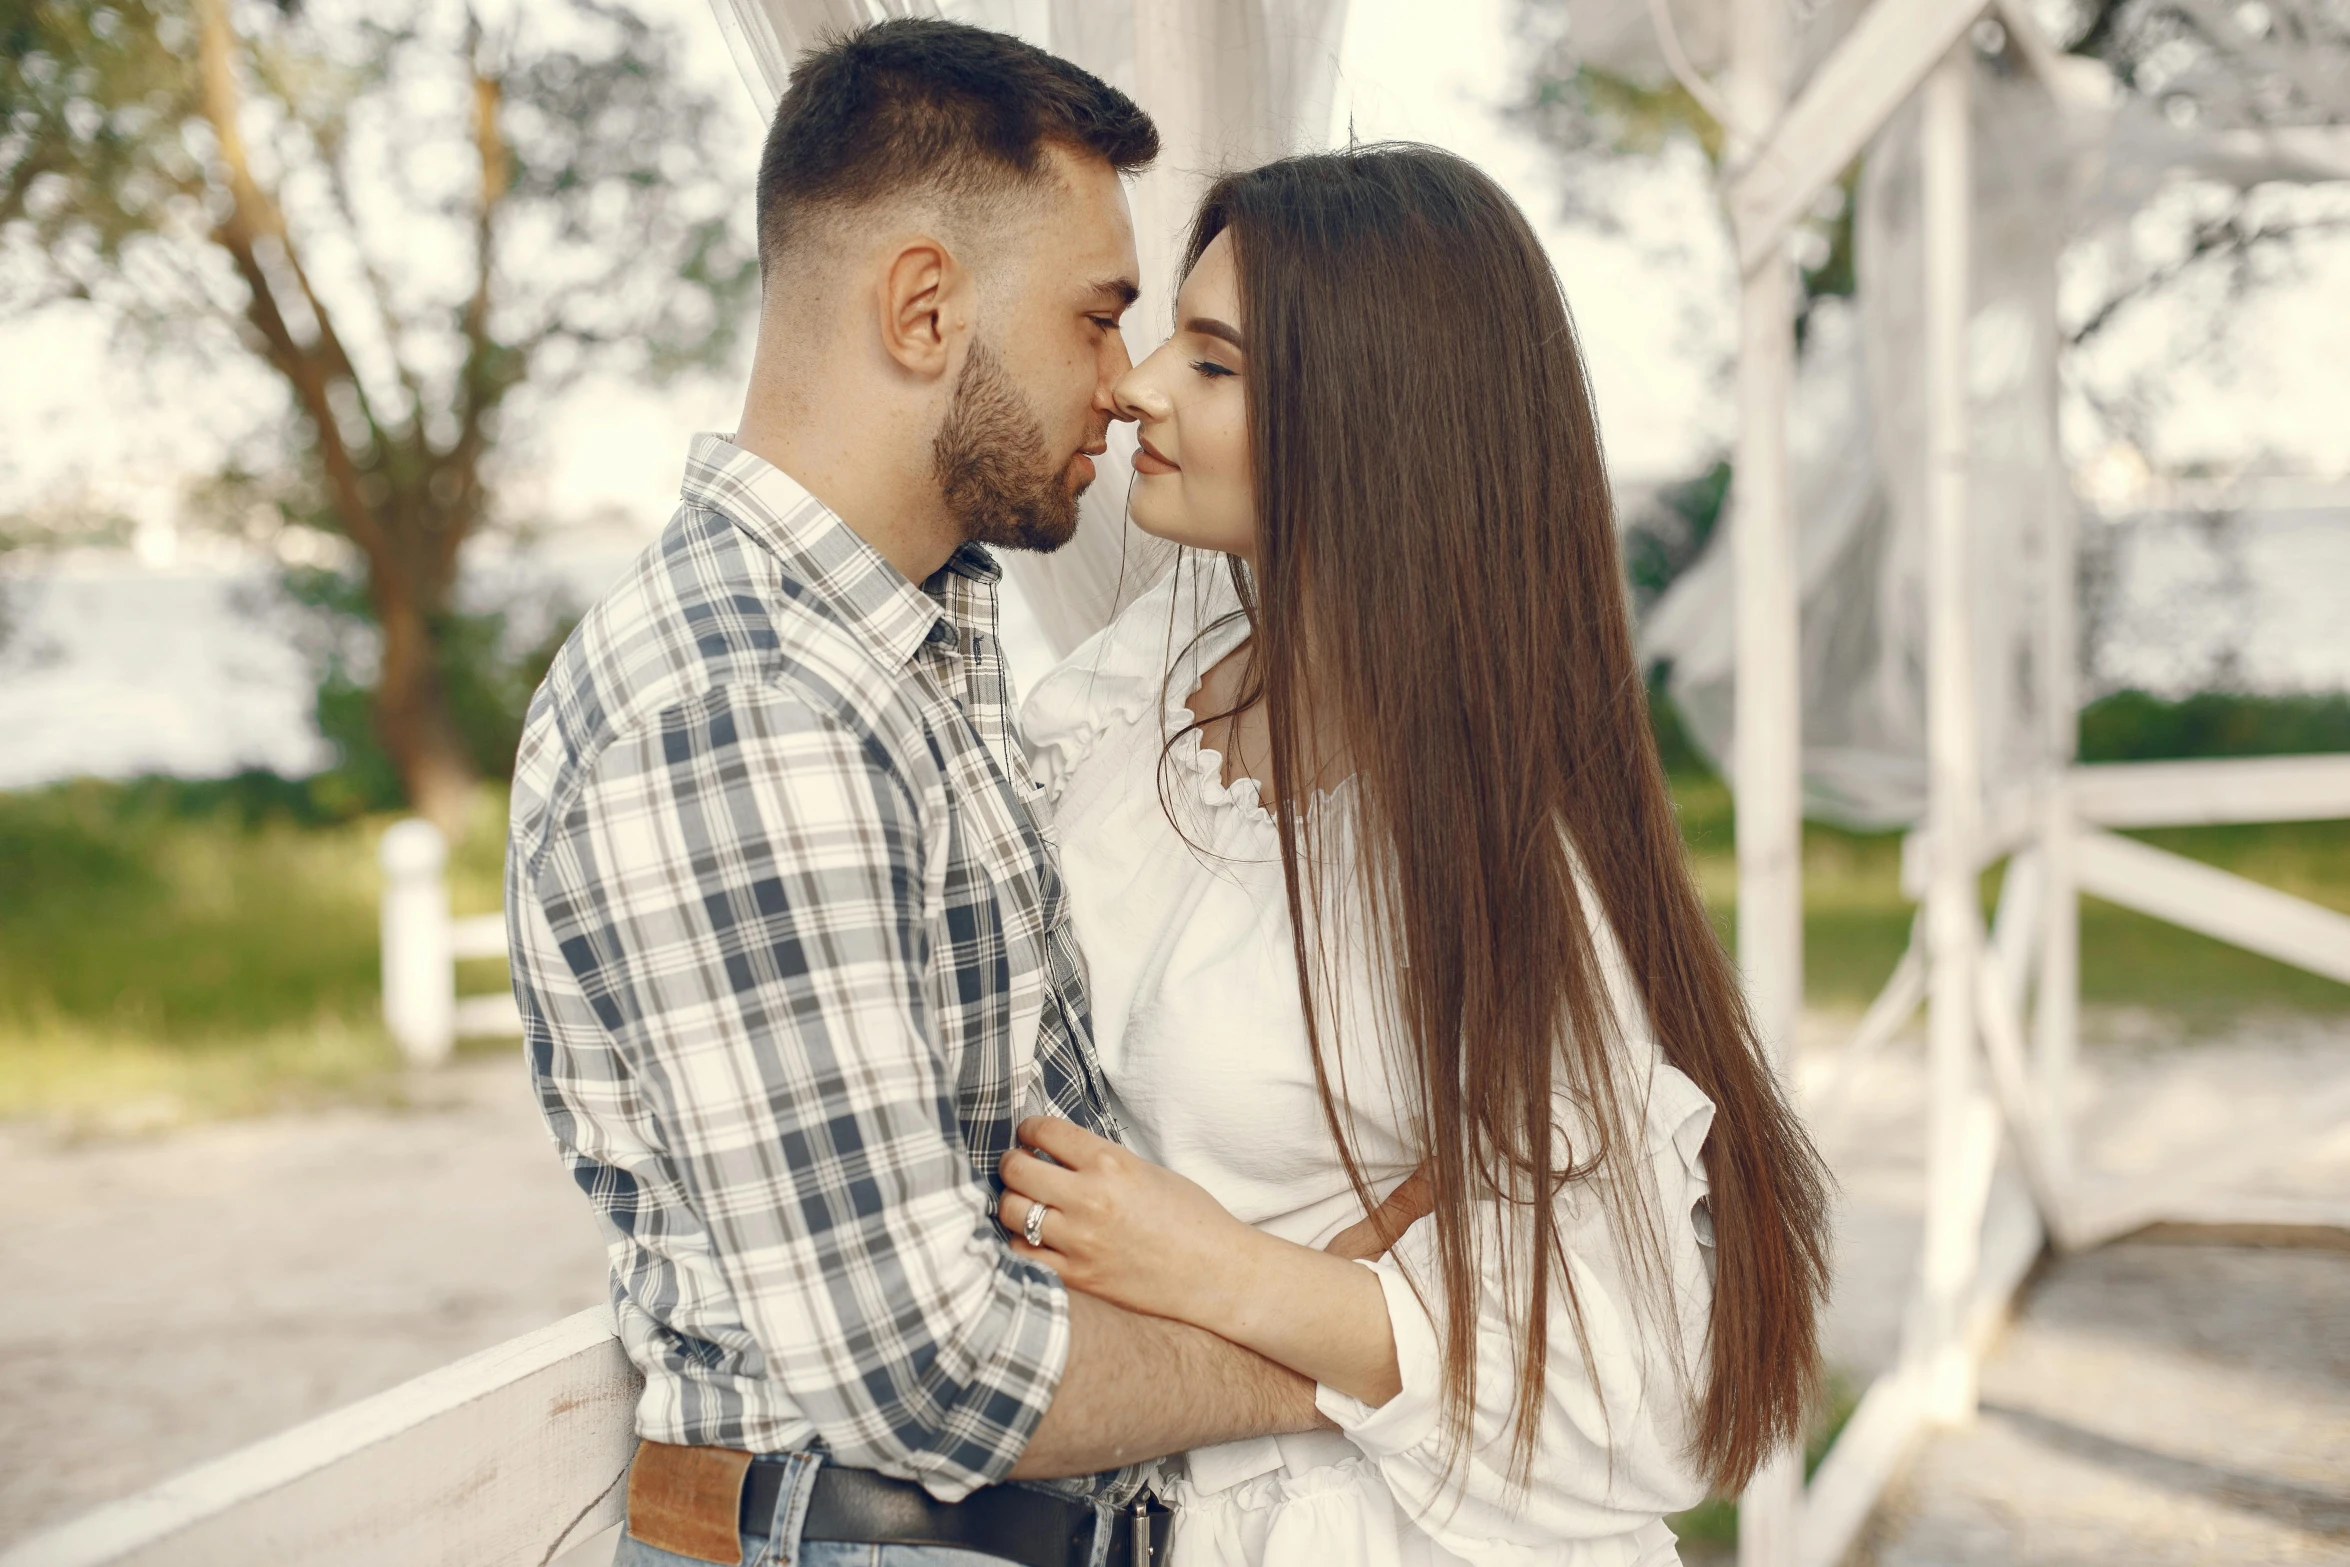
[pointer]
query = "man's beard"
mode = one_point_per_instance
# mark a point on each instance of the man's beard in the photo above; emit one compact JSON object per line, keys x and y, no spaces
{"x":993,"y":469}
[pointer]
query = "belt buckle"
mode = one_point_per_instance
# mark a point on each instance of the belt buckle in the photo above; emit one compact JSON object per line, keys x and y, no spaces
{"x":1141,"y":1546}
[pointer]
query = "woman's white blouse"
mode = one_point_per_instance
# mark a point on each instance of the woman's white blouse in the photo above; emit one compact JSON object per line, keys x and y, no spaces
{"x":1196,"y":1014}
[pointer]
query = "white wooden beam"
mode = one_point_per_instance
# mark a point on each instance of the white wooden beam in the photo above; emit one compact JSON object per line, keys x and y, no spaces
{"x":1768,"y":758}
{"x":1947,"y":1264}
{"x":504,"y":1459}
{"x":2213,"y":902}
{"x":2056,"y":1016}
{"x":2237,"y":789}
{"x":478,"y":936}
{"x":1896,"y":1003}
{"x":1880,"y":62}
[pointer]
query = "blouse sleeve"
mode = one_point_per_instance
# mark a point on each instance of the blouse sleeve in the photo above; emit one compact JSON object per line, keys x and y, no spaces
{"x":1611,"y":1452}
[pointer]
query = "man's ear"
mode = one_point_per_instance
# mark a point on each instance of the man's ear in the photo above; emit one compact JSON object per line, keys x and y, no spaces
{"x":924,"y":306}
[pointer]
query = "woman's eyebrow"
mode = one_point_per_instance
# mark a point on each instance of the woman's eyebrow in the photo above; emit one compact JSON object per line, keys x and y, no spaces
{"x":1209,"y":326}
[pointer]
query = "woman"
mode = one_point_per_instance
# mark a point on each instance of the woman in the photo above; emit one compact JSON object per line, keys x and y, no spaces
{"x":1377,"y":872}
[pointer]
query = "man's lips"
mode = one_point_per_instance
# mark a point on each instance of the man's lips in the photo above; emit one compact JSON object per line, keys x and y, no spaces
{"x":1148,"y":460}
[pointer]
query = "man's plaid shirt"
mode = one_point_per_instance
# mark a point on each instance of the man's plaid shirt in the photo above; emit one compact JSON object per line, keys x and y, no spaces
{"x":793,"y":958}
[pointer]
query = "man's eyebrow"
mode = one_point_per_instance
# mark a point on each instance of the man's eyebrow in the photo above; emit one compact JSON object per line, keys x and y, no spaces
{"x":1122,"y":289}
{"x":1209,"y":326}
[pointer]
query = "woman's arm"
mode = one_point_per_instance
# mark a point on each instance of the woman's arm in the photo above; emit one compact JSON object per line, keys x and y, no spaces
{"x":1141,"y":1236}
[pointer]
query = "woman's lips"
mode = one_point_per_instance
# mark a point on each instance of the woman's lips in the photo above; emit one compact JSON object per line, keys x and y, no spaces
{"x":1149,"y":461}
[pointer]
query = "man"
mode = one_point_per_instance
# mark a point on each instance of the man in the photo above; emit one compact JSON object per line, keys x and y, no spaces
{"x":792,"y":954}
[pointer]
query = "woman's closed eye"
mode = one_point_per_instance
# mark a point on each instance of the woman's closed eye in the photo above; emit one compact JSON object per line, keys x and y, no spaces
{"x":1211,"y":370}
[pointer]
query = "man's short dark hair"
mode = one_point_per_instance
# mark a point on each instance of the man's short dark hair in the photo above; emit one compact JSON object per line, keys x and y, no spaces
{"x":915,"y":105}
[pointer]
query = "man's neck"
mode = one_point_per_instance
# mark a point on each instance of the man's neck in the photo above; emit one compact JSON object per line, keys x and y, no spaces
{"x":887,"y":497}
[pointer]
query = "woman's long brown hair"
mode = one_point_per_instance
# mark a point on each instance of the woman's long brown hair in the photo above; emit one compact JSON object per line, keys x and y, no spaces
{"x":1432,"y":497}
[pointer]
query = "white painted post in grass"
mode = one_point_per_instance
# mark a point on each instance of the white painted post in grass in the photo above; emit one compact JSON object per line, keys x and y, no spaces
{"x":1956,"y":1162}
{"x":419,"y":966}
{"x":1769,"y":755}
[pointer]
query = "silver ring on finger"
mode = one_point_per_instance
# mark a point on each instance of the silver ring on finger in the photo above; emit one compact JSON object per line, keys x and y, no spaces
{"x":1032,"y":1227}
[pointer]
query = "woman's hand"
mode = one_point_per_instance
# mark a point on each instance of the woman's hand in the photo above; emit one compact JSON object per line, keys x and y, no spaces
{"x":1119,"y":1227}
{"x":1140,"y":1236}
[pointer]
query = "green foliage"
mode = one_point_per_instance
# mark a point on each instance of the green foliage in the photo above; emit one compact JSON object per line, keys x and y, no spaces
{"x":2132,"y":726}
{"x":489,"y":669}
{"x":140,"y":909}
{"x":1587,"y":115}
{"x":406,"y":211}
{"x":1576,"y":106}
{"x":1667,"y":538}
{"x":198,"y":946}
{"x":1675,"y":746}
{"x":1856,"y":921}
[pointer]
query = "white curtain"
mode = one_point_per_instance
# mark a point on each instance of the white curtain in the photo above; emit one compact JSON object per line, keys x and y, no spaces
{"x":1230,"y":83}
{"x":2054,"y":161}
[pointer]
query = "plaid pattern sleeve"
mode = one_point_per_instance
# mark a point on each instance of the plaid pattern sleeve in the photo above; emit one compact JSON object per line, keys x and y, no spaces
{"x":740,"y":892}
{"x":793,"y":958}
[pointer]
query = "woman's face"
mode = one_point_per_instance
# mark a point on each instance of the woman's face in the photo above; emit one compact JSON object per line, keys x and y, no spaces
{"x":1193,"y":483}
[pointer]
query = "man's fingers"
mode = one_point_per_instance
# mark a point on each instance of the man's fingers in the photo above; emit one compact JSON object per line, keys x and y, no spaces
{"x":1066,"y":1141}
{"x":1030,"y":1176}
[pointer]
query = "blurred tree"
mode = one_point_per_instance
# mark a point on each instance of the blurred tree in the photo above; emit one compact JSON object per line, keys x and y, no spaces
{"x":408,"y":211}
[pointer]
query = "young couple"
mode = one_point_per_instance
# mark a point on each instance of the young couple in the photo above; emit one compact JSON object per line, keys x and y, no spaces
{"x":1283,"y":1074}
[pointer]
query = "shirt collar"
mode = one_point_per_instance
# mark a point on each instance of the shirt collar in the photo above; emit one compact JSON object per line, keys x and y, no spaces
{"x":850,"y":575}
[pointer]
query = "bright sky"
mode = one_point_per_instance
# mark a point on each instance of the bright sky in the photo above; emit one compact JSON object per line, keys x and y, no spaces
{"x":1652,"y":300}
{"x":1653,"y":305}
{"x":77,"y":407}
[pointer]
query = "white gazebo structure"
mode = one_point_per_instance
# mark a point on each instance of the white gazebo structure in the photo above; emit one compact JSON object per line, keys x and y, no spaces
{"x":515,"y":1457}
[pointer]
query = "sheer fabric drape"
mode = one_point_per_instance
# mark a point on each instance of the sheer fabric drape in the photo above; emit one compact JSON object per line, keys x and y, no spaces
{"x":1231,"y":83}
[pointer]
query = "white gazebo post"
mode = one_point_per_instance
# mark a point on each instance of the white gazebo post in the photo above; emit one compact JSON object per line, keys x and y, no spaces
{"x":2057,"y":1018}
{"x":1768,"y":760}
{"x":1962,"y":1134}
{"x":419,"y":965}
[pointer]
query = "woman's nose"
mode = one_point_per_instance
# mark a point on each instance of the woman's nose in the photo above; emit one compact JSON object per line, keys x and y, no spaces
{"x":1136,"y":398}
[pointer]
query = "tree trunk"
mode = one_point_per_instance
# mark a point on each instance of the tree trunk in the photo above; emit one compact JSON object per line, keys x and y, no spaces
{"x":412,"y":715}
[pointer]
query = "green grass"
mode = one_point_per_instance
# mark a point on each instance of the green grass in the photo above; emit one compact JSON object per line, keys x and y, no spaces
{"x":1856,"y":922}
{"x":168,"y":951}
{"x":171,"y":949}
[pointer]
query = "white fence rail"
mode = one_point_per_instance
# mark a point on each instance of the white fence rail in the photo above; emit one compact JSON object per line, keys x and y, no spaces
{"x":422,"y":946}
{"x":508,"y":1458}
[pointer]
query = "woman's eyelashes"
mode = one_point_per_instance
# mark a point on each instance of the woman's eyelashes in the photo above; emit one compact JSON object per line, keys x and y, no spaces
{"x":1210,"y":370}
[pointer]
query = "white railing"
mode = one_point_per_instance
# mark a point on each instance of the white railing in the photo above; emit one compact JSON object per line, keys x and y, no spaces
{"x":2058,"y":843}
{"x":514,"y":1457}
{"x":422,"y":946}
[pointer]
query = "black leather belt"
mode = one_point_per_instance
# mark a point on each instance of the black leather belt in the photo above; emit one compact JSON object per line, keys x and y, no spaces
{"x":1035,"y":1528}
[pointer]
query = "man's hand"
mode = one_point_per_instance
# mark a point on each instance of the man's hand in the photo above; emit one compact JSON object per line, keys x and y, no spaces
{"x":1141,"y":1387}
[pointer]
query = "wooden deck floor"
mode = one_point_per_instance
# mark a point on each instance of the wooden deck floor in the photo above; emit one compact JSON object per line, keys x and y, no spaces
{"x":180,"y":1295}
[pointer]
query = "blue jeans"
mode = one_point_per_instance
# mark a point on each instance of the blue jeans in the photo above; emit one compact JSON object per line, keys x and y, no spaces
{"x":778,"y":1543}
